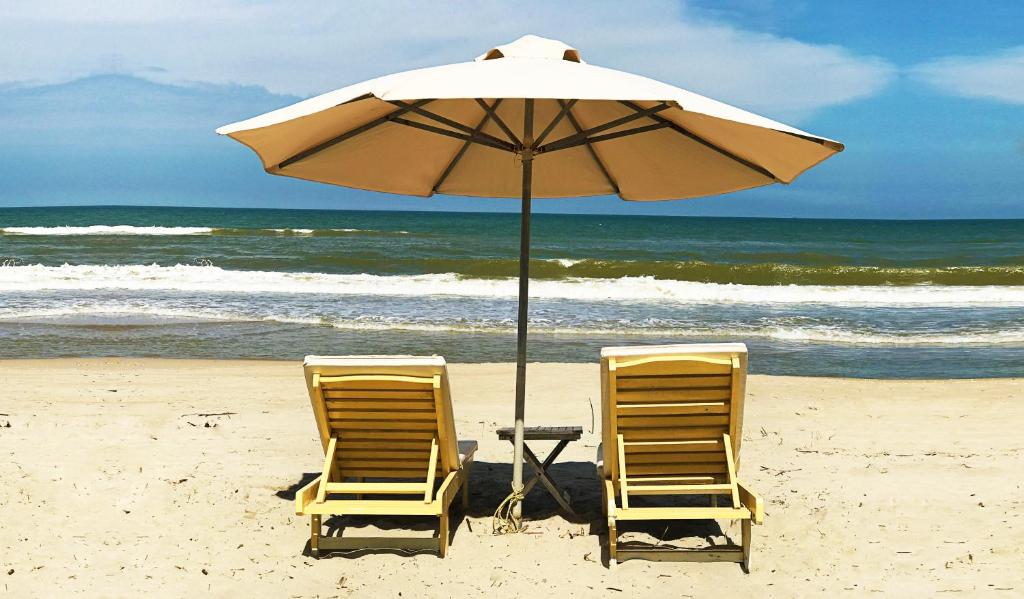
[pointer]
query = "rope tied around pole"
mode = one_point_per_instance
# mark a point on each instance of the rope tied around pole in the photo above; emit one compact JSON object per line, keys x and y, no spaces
{"x":505,"y":520}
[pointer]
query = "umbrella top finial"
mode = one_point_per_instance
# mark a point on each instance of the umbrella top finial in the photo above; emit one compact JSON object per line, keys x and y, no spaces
{"x":533,"y":46}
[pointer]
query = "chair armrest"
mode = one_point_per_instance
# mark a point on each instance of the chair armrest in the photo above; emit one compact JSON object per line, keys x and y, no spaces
{"x":467,"y":449}
{"x":753,"y":502}
{"x":447,"y":491}
{"x":306,"y":495}
{"x":609,"y":493}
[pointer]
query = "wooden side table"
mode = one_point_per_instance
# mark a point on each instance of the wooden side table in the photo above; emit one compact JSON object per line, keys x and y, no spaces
{"x":564,"y":435}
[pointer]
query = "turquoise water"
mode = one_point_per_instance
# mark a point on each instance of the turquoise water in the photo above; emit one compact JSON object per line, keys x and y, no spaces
{"x":824,"y":297}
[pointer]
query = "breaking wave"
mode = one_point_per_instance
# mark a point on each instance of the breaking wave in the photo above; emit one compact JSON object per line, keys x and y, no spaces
{"x":213,"y":279}
{"x":134,"y":230}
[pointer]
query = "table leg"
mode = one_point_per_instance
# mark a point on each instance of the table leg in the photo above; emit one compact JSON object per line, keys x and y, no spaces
{"x":547,"y":462}
{"x":545,"y":478}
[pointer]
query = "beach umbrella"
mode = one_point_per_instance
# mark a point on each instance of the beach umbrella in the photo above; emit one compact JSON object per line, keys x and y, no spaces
{"x":526,"y":120}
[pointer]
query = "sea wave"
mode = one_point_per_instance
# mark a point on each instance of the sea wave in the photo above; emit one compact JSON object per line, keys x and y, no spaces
{"x":185,"y":231}
{"x":759,"y":273}
{"x":694,"y":271}
{"x":213,"y":279}
{"x":298,"y":232}
{"x":101,"y":313}
{"x":105,"y":230}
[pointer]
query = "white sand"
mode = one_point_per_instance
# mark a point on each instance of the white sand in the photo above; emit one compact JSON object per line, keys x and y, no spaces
{"x":113,"y":485}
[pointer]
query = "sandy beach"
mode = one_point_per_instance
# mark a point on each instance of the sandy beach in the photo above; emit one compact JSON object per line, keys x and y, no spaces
{"x":173,"y":477}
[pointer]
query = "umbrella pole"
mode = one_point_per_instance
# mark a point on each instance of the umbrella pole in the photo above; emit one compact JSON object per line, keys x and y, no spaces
{"x":524,"y":298}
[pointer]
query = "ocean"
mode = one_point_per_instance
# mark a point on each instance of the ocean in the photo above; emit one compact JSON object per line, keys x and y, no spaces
{"x":854,"y":298}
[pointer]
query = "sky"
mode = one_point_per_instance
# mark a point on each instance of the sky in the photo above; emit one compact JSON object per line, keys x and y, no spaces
{"x":115,"y":102}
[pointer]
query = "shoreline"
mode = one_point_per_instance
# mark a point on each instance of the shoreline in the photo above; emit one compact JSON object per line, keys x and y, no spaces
{"x":155,"y":361}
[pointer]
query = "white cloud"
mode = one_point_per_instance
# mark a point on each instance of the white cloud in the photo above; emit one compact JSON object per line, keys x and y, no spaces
{"x":997,"y":77}
{"x":306,"y":47}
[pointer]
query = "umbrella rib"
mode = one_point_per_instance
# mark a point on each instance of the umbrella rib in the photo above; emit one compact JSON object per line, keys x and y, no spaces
{"x":693,"y":136}
{"x":571,"y":140}
{"x":566,"y":107}
{"x":492,"y":113}
{"x":627,"y":132}
{"x":607,"y":136}
{"x":593,"y":153}
{"x":453,"y":124}
{"x":347,"y":135}
{"x":484,"y":141}
{"x":465,"y":146}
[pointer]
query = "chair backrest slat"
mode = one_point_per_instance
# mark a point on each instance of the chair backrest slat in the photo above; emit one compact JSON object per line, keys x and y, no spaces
{"x":384,"y":412}
{"x":672,"y":405}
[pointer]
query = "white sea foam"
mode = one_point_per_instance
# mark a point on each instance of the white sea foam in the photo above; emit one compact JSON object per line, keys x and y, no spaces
{"x":116,"y":309}
{"x":213,"y":279}
{"x":106,"y":230}
{"x":840,"y":336}
{"x":293,"y":231}
{"x":133,"y":230}
{"x":564,"y":262}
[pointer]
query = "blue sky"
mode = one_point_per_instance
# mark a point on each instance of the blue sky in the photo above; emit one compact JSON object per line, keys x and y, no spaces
{"x":116,"y":102}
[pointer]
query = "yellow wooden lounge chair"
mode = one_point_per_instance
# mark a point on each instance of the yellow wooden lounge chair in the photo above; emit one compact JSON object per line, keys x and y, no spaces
{"x":387,"y":430}
{"x":672,"y":421}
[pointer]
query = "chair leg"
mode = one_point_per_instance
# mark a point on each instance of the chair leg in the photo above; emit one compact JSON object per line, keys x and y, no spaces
{"x":314,"y":535}
{"x":612,"y":540}
{"x":745,"y":528}
{"x":465,"y":493}
{"x":442,"y":535}
{"x":714,"y":501}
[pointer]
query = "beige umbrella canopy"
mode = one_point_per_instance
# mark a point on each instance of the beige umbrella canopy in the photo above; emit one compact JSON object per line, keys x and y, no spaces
{"x":450,"y":130}
{"x":528,"y":119}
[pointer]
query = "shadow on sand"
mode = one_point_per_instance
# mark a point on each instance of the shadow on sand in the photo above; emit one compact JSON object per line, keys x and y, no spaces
{"x":488,"y":487}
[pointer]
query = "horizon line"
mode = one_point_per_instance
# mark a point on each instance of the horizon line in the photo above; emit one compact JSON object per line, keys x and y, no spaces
{"x":510,"y":212}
